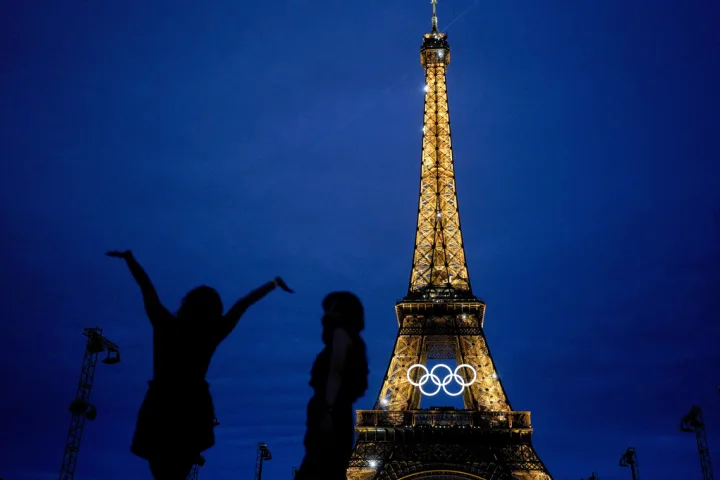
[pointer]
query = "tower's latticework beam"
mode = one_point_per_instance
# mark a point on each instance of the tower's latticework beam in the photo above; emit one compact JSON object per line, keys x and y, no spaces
{"x":439,"y":257}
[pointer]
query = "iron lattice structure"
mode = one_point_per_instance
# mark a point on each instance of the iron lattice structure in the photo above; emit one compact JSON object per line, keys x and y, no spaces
{"x":440,"y":318}
{"x":193,"y":475}
{"x":629,"y":459}
{"x":80,"y":407}
{"x":263,"y":454}
{"x":693,"y":422}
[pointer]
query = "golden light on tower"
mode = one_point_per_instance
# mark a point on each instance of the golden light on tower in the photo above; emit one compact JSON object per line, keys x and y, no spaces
{"x":441,"y":319}
{"x":439,"y":257}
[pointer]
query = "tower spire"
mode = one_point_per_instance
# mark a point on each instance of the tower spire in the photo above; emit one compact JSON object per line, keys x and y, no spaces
{"x":438,"y":268}
{"x":434,"y":17}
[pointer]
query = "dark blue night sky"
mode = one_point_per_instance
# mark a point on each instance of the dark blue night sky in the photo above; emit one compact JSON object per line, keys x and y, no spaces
{"x":226,"y":142}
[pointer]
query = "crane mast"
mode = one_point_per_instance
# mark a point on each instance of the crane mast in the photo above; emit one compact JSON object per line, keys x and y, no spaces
{"x":629,"y":459}
{"x":80,"y":407}
{"x":693,"y":422}
{"x":194,"y":471}
{"x":263,"y":453}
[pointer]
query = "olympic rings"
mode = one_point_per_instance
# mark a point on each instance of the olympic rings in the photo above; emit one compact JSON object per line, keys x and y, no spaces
{"x":441,"y":385}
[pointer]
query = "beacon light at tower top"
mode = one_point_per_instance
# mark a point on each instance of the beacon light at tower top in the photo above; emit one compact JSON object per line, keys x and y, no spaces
{"x":430,"y":376}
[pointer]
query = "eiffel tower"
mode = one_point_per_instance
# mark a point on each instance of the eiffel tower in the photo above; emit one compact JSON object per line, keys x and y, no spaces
{"x":441,"y":319}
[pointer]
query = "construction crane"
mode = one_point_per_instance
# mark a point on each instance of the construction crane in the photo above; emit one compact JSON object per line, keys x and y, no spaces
{"x":693,"y":422}
{"x":629,"y":459}
{"x":263,"y":453}
{"x":193,"y":475}
{"x":194,"y":471}
{"x":80,"y":407}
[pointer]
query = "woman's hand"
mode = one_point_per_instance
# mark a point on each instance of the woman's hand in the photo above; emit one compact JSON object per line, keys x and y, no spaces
{"x":118,"y":254}
{"x":281,"y":283}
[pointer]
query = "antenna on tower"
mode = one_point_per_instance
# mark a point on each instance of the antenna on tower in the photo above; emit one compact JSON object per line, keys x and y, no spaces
{"x":434,"y":17}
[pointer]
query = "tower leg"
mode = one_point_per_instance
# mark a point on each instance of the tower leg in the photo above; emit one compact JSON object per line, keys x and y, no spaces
{"x":396,"y":392}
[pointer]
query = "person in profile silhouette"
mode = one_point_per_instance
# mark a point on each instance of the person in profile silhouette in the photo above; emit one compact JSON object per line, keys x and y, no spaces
{"x":338,"y":378}
{"x":176,"y":420}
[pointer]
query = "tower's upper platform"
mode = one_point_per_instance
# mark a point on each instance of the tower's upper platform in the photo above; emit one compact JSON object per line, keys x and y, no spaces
{"x":435,"y":49}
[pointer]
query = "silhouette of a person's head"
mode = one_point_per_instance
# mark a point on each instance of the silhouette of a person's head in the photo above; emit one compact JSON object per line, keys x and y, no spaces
{"x":201,"y":303}
{"x":343,"y":309}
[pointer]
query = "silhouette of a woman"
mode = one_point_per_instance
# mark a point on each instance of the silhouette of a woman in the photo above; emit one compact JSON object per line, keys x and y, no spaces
{"x":176,"y":420}
{"x":339,"y":378}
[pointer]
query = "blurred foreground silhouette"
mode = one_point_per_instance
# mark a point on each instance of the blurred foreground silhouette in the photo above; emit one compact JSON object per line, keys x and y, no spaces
{"x":338,"y":378}
{"x":177,"y":417}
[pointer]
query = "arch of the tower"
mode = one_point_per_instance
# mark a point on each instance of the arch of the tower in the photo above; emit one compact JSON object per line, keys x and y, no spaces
{"x":442,"y":471}
{"x":442,"y":475}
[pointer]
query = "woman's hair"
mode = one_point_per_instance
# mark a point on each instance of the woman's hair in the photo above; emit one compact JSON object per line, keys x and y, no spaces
{"x":343,"y":309}
{"x":200,"y":303}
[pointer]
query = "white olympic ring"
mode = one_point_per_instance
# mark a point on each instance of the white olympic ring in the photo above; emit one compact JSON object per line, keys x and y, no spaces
{"x":452,"y":375}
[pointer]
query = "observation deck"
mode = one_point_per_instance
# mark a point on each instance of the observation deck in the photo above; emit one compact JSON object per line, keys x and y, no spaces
{"x":441,"y":425}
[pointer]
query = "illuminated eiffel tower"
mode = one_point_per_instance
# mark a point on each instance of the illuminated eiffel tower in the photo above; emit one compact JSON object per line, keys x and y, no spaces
{"x":441,"y":319}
